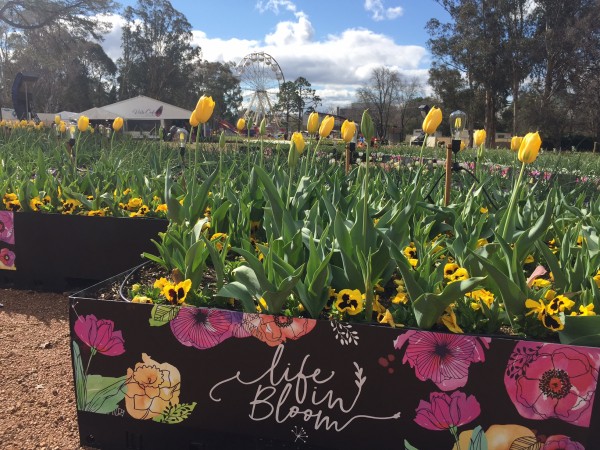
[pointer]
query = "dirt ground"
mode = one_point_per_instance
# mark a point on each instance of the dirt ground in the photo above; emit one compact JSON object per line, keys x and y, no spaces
{"x":38,"y":398}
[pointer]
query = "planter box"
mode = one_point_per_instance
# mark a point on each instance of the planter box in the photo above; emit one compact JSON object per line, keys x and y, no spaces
{"x":54,"y":252}
{"x":156,"y":377}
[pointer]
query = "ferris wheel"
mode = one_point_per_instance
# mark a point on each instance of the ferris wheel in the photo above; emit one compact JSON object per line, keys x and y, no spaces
{"x":260,"y":80}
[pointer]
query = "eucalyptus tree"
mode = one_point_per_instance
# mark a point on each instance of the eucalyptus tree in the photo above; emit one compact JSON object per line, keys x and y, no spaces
{"x":158,"y":56}
{"x":294,"y":99}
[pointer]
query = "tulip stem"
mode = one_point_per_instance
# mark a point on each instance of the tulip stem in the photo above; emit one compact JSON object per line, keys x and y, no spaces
{"x":453,"y":430}
{"x":512,"y":203}
{"x":422,"y":148}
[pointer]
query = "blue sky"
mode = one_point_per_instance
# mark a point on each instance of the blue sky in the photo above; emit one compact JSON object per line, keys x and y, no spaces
{"x":333,"y":44}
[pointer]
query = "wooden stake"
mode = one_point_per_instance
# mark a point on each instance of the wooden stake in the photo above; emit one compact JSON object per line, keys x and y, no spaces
{"x":448,"y":183}
{"x":347,"y":159}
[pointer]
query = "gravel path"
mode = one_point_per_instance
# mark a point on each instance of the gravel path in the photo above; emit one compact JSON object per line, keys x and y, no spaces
{"x":38,"y":398}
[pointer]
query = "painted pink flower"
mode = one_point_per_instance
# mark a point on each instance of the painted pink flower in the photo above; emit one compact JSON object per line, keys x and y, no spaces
{"x":561,"y":442}
{"x":443,"y":358}
{"x":100,"y":335}
{"x":204,"y":328}
{"x":553,"y":381}
{"x":275,"y":330}
{"x":7,"y":257}
{"x":7,"y":229}
{"x":445,"y":412}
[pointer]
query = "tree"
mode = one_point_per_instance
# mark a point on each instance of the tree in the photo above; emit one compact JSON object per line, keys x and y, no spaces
{"x":158,"y":57}
{"x":32,"y":14}
{"x":475,"y":43}
{"x":217,"y":80}
{"x":380,"y":95}
{"x":294,"y":99}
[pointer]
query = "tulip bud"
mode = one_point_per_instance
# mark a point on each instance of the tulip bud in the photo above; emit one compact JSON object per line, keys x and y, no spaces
{"x":530,"y":147}
{"x":204,"y":109}
{"x":298,"y":141}
{"x":348,"y":130}
{"x":479,"y":137}
{"x":83,"y":123}
{"x":293,"y":155}
{"x":241,"y":124}
{"x":312,"y":125}
{"x":432,"y":120}
{"x":515,"y":143}
{"x":262,"y":128}
{"x":117,"y":124}
{"x":326,"y":126}
{"x":366,"y":126}
{"x":57,"y":119}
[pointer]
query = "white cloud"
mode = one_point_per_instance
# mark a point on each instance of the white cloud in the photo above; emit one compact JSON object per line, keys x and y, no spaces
{"x":380,"y":12}
{"x":274,"y":5}
{"x":335,"y":65}
{"x":112,"y":40}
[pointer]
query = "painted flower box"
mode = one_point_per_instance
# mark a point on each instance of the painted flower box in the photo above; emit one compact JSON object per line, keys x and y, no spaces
{"x":54,"y":251}
{"x":156,"y":377}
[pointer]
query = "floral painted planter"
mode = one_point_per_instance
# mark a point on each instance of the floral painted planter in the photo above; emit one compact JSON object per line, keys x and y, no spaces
{"x":156,"y":377}
{"x":54,"y":251}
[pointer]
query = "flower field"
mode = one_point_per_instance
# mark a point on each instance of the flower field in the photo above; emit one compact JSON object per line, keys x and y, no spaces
{"x":282,"y":228}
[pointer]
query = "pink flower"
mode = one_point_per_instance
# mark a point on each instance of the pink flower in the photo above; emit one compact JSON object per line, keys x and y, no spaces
{"x":443,"y":358}
{"x":7,"y":257}
{"x":204,"y":328}
{"x":553,"y":381}
{"x":444,"y":411}
{"x":7,"y":228}
{"x":99,"y":335}
{"x":561,"y":442}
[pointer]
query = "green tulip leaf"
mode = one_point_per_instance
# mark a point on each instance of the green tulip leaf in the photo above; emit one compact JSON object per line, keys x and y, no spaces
{"x":581,"y":330}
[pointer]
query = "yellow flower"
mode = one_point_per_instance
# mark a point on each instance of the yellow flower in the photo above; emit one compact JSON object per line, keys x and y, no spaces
{"x":162,"y":208}
{"x":241,"y":124}
{"x":515,"y":143}
{"x":312,"y":126}
{"x":596,"y":279}
{"x":127,"y":191}
{"x":35,"y":203}
{"x":459,"y":275}
{"x":541,"y":282}
{"x":400,"y":297}
{"x":449,"y":269}
{"x":204,"y":108}
{"x":326,"y":126}
{"x":97,"y":212}
{"x":57,"y":119}
{"x":176,"y":294}
{"x":559,"y":304}
{"x":142,"y":299}
{"x":83,"y":123}
{"x":481,"y":242}
{"x":298,"y":141}
{"x":585,"y":310}
{"x":193,"y":120}
{"x":62,"y":127}
{"x":530,"y":147}
{"x":481,"y":296}
{"x":117,"y":124}
{"x":161,"y":283}
{"x":483,"y":210}
{"x":479,"y":137}
{"x":529,"y":259}
{"x":70,"y":205}
{"x":350,"y":301}
{"x":432,"y":120}
{"x":134,"y":203}
{"x":537,"y":307}
{"x":449,"y":320}
{"x":348,"y":130}
{"x":220,"y":239}
{"x":386,"y":317}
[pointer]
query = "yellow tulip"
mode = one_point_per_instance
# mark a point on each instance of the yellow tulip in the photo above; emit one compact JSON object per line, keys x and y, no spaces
{"x":432,"y":120}
{"x":530,"y":147}
{"x":57,"y":119}
{"x":299,"y":143}
{"x":479,"y":137}
{"x":515,"y":143}
{"x":204,"y":108}
{"x":313,"y":123}
{"x":241,"y":124}
{"x":348,"y":130}
{"x":462,"y":145}
{"x":62,"y":126}
{"x":326,"y":126}
{"x":83,"y":123}
{"x":117,"y":123}
{"x":194,"y":119}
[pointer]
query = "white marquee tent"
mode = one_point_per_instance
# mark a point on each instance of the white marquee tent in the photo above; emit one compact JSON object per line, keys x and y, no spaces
{"x":141,"y":114}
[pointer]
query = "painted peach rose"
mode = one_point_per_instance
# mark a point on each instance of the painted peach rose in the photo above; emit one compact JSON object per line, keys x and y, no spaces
{"x":150,"y":387}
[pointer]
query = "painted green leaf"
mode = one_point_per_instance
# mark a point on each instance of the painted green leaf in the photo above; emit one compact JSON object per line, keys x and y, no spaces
{"x":176,"y":413}
{"x":478,"y":440}
{"x":162,"y":314}
{"x":104,"y":393}
{"x":80,"y":379}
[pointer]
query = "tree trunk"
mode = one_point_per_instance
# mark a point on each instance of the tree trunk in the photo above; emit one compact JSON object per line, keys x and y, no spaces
{"x":490,"y":119}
